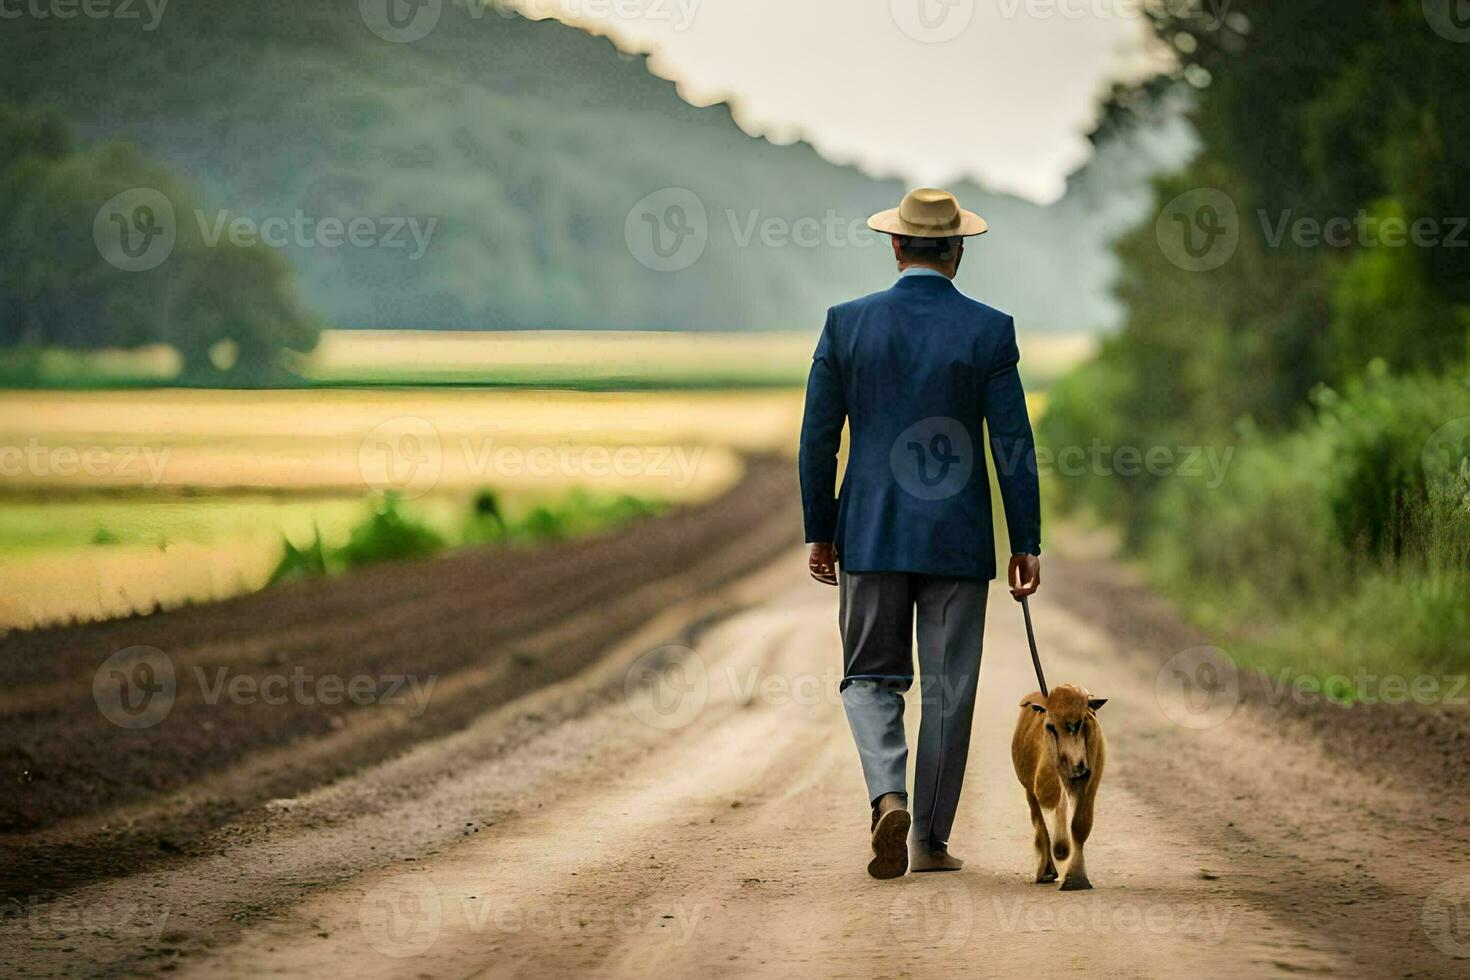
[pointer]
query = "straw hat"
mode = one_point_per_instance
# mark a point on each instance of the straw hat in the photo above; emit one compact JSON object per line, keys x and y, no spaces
{"x":929,"y":213}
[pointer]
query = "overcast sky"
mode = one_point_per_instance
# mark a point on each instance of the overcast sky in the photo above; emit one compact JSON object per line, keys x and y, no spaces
{"x":1002,"y":91}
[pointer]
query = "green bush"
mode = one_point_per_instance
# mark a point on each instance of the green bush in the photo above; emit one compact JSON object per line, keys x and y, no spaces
{"x":1327,"y":546}
{"x":307,"y":562}
{"x":389,"y":535}
{"x":1378,"y":430}
{"x":487,"y":519}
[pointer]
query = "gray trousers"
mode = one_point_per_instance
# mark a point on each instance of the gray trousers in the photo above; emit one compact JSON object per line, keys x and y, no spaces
{"x":876,"y":616}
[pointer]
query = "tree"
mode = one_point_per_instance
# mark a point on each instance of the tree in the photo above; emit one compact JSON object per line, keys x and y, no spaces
{"x":64,"y":213}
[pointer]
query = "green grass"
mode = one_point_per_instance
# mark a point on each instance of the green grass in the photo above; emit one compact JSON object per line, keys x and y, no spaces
{"x":1326,"y":551}
{"x":51,"y":525}
{"x":394,"y":531}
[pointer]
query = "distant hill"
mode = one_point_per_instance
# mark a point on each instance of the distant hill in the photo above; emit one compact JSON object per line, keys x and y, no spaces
{"x":529,"y":145}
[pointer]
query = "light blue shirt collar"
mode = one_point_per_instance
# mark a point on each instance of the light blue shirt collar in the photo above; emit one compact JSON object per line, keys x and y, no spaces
{"x":919,"y":270}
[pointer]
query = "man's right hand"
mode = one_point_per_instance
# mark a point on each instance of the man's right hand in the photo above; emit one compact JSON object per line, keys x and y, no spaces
{"x":823,"y":562}
{"x":1024,"y":576}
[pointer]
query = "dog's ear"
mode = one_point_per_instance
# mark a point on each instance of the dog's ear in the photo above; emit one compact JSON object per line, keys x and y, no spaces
{"x":1035,"y":706}
{"x":1095,"y":703}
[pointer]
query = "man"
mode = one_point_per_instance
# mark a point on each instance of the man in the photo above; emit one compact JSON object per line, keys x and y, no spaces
{"x":914,"y":371}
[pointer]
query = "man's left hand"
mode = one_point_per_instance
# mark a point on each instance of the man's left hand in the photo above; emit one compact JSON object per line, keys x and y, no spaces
{"x":823,"y":562}
{"x":1024,"y":575}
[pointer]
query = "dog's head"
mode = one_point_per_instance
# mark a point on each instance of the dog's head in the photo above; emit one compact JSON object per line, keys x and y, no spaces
{"x":1070,"y":722}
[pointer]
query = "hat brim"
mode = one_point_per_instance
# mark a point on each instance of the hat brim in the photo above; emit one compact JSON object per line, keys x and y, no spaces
{"x":890,"y":223}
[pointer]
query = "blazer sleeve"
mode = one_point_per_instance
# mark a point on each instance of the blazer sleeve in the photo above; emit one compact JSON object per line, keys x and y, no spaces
{"x":821,"y":436}
{"x":1012,"y":444}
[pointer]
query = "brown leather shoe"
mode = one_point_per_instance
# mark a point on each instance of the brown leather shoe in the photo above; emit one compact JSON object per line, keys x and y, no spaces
{"x":890,"y":838}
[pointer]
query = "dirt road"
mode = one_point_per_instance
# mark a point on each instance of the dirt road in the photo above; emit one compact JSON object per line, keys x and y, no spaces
{"x":698,"y":811}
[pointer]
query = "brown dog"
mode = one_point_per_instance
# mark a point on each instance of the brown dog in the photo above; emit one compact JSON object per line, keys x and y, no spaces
{"x":1058,"y":752}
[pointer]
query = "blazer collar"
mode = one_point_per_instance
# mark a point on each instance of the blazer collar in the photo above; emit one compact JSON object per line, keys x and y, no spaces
{"x":933,"y":284}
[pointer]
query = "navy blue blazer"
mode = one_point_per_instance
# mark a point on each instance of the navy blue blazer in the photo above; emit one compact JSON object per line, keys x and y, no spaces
{"x":914,"y":370}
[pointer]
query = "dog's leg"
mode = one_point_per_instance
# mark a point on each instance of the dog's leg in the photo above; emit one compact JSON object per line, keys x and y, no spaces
{"x":1046,"y":871}
{"x":1076,"y":879}
{"x":1056,"y":819}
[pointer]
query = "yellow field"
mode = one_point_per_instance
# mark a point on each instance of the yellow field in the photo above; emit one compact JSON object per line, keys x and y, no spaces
{"x":581,"y":360}
{"x":574,"y":357}
{"x":113,"y":501}
{"x":592,"y":358}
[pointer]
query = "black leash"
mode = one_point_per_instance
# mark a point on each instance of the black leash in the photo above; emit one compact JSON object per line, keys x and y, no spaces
{"x":1031,"y":638}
